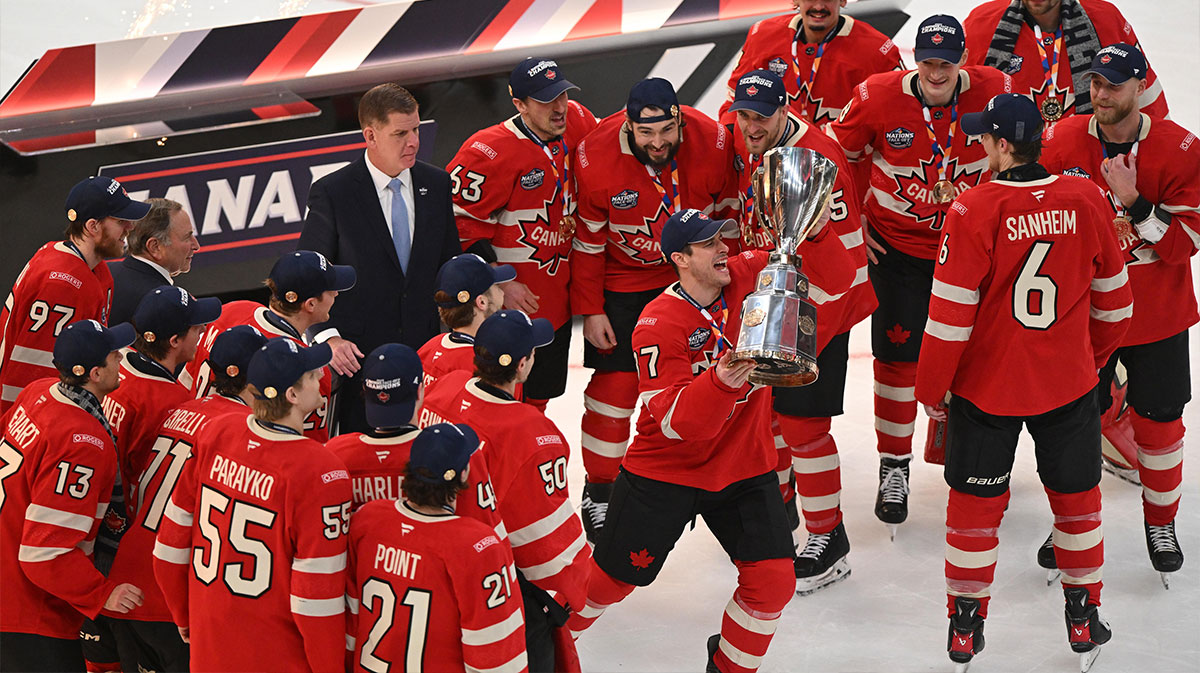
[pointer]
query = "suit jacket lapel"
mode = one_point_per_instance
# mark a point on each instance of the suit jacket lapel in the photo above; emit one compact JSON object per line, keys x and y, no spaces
{"x":421,"y":196}
{"x":372,"y":214}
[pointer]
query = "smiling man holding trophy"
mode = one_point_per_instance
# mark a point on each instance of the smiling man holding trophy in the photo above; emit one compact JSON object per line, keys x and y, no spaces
{"x":703,"y":444}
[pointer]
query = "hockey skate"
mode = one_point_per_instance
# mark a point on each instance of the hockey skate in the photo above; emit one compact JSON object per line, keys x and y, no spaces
{"x":1126,"y":474}
{"x":1165,"y":554}
{"x":714,"y":641}
{"x":822,"y":561}
{"x":891,"y":502}
{"x":1086,"y":631}
{"x":965,"y":639}
{"x":593,"y":508}
{"x":1045,"y":558}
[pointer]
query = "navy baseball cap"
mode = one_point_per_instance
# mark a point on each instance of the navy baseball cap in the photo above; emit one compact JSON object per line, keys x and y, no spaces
{"x":1010,"y":116}
{"x":467,"y":276}
{"x":1118,"y":62}
{"x":653,"y":92}
{"x":232,"y":349}
{"x":169,"y":310}
{"x":539,"y":79}
{"x":510,"y":335}
{"x":280,"y":363}
{"x":392,"y":376}
{"x":940,"y":37}
{"x":86,"y":343}
{"x":304,"y":273}
{"x":100,"y":197}
{"x":690,"y":226}
{"x":444,"y":450}
{"x":759,"y":91}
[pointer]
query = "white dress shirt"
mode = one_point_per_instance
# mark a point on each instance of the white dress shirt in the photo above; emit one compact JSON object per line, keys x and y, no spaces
{"x":381,"y":181}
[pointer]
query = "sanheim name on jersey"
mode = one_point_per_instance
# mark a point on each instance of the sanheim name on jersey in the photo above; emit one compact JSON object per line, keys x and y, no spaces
{"x":1045,"y":223}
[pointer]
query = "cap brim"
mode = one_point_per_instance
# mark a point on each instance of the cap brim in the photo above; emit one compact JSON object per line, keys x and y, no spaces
{"x":947,"y":55}
{"x":315,"y":357}
{"x":712,"y":229}
{"x":975,"y":124}
{"x":764,"y":109}
{"x":503,"y":273}
{"x":543,"y":332}
{"x":344,"y":277}
{"x":134,"y":211}
{"x":121,"y":336}
{"x":471,"y":435}
{"x":207,"y":310}
{"x":1110,"y":75}
{"x":553,"y":91}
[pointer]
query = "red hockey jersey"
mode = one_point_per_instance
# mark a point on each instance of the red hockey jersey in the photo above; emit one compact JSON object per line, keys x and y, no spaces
{"x":693,"y":430}
{"x":1030,"y":297}
{"x":376,"y":466}
{"x":197,"y":375}
{"x":1025,"y":65}
{"x":622,"y":209}
{"x":527,"y":459}
{"x":456,"y":581}
{"x":836,"y":313}
{"x":1168,"y":175}
{"x":885,"y":120}
{"x":57,"y":466}
{"x":855,"y":52}
{"x":265,"y":559}
{"x":55,"y":289}
{"x":507,"y":191}
{"x":171,"y":449}
{"x":446,"y":353}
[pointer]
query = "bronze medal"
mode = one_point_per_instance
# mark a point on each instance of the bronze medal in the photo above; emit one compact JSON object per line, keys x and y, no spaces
{"x":1122,"y":226}
{"x":566,"y":226}
{"x":1052,"y":109}
{"x":943,"y":191}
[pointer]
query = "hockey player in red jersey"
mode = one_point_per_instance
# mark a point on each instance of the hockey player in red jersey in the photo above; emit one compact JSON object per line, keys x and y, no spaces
{"x":168,"y":323}
{"x":819,"y":53}
{"x":908,"y":123}
{"x":1047,"y":47}
{"x":526,"y":456}
{"x":514,"y":203}
{"x":703,"y":444}
{"x":468,"y":291}
{"x":256,"y":552}
{"x":454,"y":575}
{"x":59,"y":465}
{"x":1149,"y":168}
{"x":636,"y":169}
{"x":1027,"y":263}
{"x":801,"y":415}
{"x":64,"y":282}
{"x":303,"y":287}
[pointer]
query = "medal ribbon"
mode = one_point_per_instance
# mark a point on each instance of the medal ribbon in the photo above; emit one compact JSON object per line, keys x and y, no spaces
{"x":717,"y":328}
{"x":755,"y":162}
{"x":941,"y":156}
{"x":671,"y":202}
{"x":561,"y":184}
{"x":804,"y":89}
{"x":1133,"y":152}
{"x":1049,"y":66}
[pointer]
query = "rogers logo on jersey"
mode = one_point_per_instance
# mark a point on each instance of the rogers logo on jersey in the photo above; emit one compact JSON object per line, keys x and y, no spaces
{"x":88,"y":439}
{"x":900,"y":138}
{"x":485,"y":543}
{"x":488,"y":151}
{"x":1187,"y":141}
{"x":625,"y":200}
{"x":958,"y":208}
{"x":546,"y":440}
{"x":334,"y":475}
{"x":533,"y":179}
{"x":60,"y":275}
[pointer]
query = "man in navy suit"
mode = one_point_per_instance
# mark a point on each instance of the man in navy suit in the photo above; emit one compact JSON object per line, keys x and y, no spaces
{"x":161,"y":247}
{"x":390,"y":217}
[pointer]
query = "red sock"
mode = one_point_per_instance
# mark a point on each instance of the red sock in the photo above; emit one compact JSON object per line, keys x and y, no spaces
{"x":603,"y":591}
{"x":1078,"y":539}
{"x":817,"y":469}
{"x":608,"y":403}
{"x":972,"y":546}
{"x":895,"y":407}
{"x":751,"y":616}
{"x":1160,"y":465}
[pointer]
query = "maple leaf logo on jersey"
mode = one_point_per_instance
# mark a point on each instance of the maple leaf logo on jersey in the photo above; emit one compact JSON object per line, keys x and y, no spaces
{"x":546,"y":243}
{"x":898,"y":335}
{"x":641,"y":559}
{"x":916,"y":191}
{"x":640,"y":242}
{"x":114,"y":521}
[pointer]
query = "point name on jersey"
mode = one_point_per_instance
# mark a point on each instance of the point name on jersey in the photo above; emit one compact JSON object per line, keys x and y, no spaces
{"x":399,"y":562}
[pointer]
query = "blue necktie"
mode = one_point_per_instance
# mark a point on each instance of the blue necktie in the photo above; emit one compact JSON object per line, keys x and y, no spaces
{"x":400,"y":237}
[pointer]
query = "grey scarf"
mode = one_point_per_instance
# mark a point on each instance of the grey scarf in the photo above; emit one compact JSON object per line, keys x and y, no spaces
{"x":1078,"y":33}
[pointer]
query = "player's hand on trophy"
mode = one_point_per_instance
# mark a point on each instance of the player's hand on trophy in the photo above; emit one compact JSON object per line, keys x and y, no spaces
{"x":734,"y":373}
{"x":820,"y":225}
{"x":517,"y":295}
{"x":873,"y":246}
{"x":597,"y":329}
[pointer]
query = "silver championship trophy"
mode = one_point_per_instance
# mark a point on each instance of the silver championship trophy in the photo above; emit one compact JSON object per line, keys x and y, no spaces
{"x":779,"y":327}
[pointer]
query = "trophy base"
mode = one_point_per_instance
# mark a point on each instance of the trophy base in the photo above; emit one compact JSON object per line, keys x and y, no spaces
{"x":781,"y":369}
